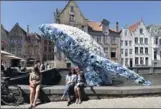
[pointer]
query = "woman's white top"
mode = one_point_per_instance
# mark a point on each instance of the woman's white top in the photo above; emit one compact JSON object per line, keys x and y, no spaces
{"x":71,"y":78}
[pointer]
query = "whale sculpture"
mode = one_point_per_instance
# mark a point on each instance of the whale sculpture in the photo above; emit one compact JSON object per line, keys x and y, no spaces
{"x":82,"y":50}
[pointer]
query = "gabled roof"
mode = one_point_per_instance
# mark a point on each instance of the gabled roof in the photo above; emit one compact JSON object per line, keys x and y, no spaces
{"x":133,"y":27}
{"x":3,"y":29}
{"x":68,"y":5}
{"x":18,"y":27}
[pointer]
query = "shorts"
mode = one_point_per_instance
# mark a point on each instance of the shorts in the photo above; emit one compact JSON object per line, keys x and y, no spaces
{"x":80,"y":85}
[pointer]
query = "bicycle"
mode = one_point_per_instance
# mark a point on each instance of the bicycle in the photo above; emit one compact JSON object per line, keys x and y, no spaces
{"x":10,"y":94}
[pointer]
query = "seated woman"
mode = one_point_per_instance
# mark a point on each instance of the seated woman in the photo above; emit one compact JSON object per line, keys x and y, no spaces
{"x":35,"y":82}
{"x":70,"y":83}
{"x":79,"y":86}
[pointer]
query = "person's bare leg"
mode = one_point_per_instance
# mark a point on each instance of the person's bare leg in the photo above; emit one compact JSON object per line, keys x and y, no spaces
{"x":79,"y":95}
{"x":32,"y":92}
{"x":76,"y":94}
{"x":36,"y":94}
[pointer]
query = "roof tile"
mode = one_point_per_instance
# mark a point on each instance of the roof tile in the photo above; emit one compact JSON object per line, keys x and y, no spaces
{"x":96,"y":26}
{"x":133,"y":27}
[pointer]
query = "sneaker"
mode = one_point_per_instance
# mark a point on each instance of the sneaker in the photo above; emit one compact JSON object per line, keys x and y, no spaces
{"x":68,"y":103}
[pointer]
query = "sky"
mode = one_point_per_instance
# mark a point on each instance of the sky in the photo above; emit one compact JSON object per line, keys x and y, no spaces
{"x":35,"y":13}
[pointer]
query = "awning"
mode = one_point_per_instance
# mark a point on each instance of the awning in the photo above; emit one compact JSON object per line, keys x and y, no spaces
{"x":14,"y":57}
{"x":5,"y":53}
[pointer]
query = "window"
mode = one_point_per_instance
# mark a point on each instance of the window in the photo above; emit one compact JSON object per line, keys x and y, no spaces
{"x":122,"y":60}
{"x":71,"y":19}
{"x":99,"y":39}
{"x":146,"y":61}
{"x":131,"y":63}
{"x":113,"y":52}
{"x":141,"y":40}
{"x":130,"y":43}
{"x":156,"y":41}
{"x":105,"y":40}
{"x":146,"y":41}
{"x":122,"y":51}
{"x":126,"y":52}
{"x":19,"y":50}
{"x":141,"y":50}
{"x":136,"y":40}
{"x":136,"y":60}
{"x":72,"y":9}
{"x":45,"y":49}
{"x":126,"y":43}
{"x":146,"y":50}
{"x":160,"y":41}
{"x":160,"y":55}
{"x":49,"y":49}
{"x":155,"y":54}
{"x":141,"y":60}
{"x":125,"y":33}
{"x":13,"y":50}
{"x":130,"y":51}
{"x":121,"y":42}
{"x":126,"y":61}
{"x":45,"y":42}
{"x":141,"y":31}
{"x":113,"y":40}
{"x":2,"y":48}
{"x":106,"y":49}
{"x":44,"y":57}
{"x":136,"y":50}
{"x":83,"y":28}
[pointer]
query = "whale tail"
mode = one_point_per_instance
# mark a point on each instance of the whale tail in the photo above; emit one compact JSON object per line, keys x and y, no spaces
{"x":125,"y":72}
{"x":105,"y":67}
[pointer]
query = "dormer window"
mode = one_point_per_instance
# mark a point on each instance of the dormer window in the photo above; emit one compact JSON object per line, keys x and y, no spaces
{"x":155,"y":31}
{"x":141,"y":31}
{"x":72,"y":9}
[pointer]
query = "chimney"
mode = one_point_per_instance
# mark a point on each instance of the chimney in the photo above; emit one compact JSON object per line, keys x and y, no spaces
{"x":105,"y":26}
{"x":28,"y":30}
{"x":117,"y":26}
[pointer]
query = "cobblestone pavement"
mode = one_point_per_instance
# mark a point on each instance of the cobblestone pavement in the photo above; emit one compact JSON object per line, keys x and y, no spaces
{"x":136,"y":102}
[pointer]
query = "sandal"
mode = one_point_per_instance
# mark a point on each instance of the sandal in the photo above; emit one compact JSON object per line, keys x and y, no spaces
{"x":34,"y":105}
{"x":30,"y":107}
{"x":76,"y":101}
